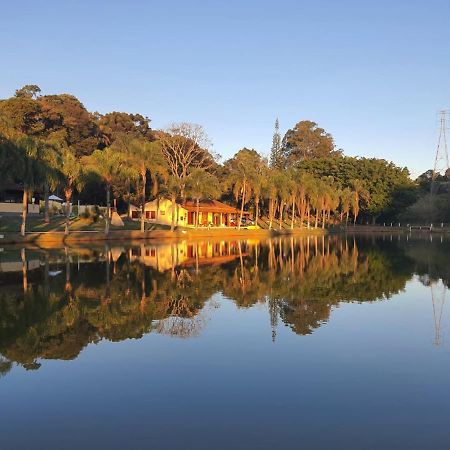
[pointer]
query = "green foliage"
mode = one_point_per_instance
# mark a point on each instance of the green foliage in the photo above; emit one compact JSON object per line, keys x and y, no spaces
{"x":28,"y":91}
{"x":202,"y":185}
{"x":277,"y":159}
{"x":381,"y":180}
{"x":307,"y":140}
{"x":123,"y":154}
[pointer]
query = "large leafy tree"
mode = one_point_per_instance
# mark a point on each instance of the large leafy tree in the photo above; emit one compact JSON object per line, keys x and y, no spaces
{"x":67,"y":120}
{"x":185,"y":148}
{"x":307,"y":140}
{"x":115,"y":125}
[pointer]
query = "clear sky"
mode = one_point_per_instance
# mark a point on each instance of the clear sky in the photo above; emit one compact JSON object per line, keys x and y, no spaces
{"x":372,"y":73}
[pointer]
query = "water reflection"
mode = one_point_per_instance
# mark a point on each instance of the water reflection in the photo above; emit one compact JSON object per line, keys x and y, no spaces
{"x":53,"y":303}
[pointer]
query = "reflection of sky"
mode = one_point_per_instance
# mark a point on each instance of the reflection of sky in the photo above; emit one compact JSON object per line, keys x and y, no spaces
{"x":370,"y":378}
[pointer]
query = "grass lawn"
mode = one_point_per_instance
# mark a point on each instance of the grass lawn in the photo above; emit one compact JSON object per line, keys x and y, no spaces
{"x":11,"y":223}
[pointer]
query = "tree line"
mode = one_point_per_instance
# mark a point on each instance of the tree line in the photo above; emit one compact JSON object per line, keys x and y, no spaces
{"x":52,"y":143}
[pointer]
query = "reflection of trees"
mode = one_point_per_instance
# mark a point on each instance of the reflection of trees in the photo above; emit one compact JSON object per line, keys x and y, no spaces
{"x":302,"y":278}
{"x":104,"y":294}
{"x":5,"y":366}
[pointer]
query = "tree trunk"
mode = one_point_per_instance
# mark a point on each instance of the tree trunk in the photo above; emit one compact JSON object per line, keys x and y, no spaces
{"x":280,"y":218}
{"x":108,"y":208}
{"x":197,"y":212}
{"x":256,"y":210}
{"x":293,"y":212}
{"x":108,"y":273}
{"x":128,"y":201}
{"x":172,"y":225}
{"x":271,"y":207}
{"x":24,"y":210}
{"x":24,"y":270}
{"x":317,"y":218}
{"x":143,"y":290}
{"x":144,"y":181}
{"x":68,"y":195}
{"x":242,"y":205}
{"x":68,"y":286}
{"x":324,"y":217}
{"x":46,"y":204}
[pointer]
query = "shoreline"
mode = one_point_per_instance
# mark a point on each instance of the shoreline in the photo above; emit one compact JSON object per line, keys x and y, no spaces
{"x":75,"y":237}
{"x":80,"y":237}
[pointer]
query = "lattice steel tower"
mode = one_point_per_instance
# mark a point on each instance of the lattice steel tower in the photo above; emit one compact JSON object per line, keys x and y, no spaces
{"x":441,"y":164}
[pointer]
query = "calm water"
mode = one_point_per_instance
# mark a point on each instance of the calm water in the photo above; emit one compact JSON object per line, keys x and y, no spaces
{"x":309,"y":343}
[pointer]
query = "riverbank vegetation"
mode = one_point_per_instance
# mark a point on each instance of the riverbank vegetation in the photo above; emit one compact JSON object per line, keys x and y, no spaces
{"x":52,"y":143}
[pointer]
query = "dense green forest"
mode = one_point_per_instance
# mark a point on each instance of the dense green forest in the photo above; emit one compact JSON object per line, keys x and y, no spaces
{"x":51,"y":143}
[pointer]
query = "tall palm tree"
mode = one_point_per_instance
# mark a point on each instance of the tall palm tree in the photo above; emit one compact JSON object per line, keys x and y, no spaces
{"x":51,"y":175}
{"x":71,"y":174}
{"x":242,"y":174}
{"x":259,"y":185}
{"x":359,"y":192}
{"x":346,"y":198}
{"x":199,"y":185}
{"x":282,"y":182}
{"x":28,"y":167}
{"x":272,"y":192}
{"x":108,"y":165}
{"x":293,"y":190}
{"x":146,"y":157}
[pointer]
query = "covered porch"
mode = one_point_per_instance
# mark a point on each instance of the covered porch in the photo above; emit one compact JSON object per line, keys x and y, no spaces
{"x":212,"y":213}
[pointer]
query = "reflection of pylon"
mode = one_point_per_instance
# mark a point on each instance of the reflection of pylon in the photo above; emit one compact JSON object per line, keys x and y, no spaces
{"x":273,"y":313}
{"x":438,"y":291}
{"x":441,"y":164}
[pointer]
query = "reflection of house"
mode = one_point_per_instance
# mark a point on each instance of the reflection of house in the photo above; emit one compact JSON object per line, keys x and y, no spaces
{"x":165,"y":257}
{"x":211,"y":213}
{"x":11,"y":200}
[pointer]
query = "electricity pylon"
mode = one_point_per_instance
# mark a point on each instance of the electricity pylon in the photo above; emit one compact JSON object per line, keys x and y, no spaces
{"x":438,"y":291}
{"x":441,"y":163}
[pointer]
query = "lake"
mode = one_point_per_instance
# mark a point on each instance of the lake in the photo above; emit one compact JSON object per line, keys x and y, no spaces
{"x":296,"y":342}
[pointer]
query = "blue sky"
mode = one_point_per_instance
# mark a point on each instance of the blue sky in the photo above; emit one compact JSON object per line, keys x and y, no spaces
{"x":372,"y":73}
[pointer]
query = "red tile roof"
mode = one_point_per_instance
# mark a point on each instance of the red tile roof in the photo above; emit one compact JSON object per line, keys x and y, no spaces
{"x":212,"y":206}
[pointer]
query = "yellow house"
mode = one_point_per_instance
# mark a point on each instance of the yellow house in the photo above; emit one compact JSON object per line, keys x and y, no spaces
{"x":160,"y":211}
{"x":210,"y":213}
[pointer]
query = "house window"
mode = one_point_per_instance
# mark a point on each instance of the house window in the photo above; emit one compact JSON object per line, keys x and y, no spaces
{"x":134,"y":214}
{"x":153,"y":252}
{"x":150,"y":215}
